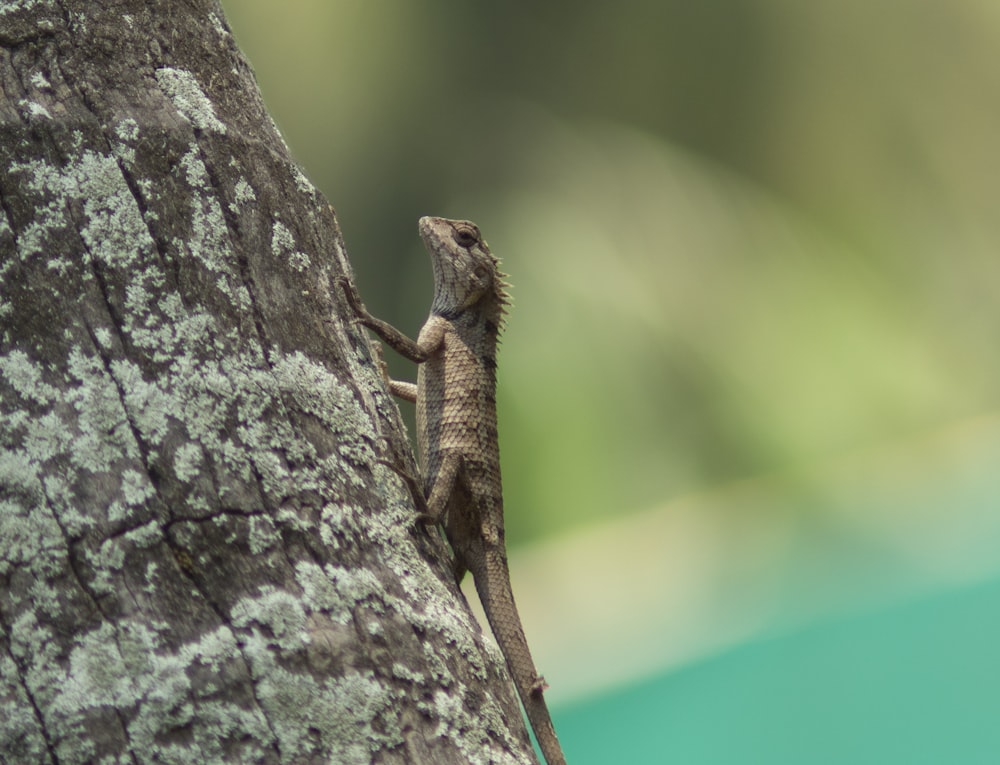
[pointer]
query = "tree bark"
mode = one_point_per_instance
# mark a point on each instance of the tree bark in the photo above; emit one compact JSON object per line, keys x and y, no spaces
{"x":201,"y":559}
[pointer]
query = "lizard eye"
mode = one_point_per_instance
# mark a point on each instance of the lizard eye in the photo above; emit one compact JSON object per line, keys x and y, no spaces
{"x":466,"y":237}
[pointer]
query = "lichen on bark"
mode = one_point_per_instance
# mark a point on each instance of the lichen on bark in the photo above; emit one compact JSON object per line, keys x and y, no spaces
{"x":201,"y":558}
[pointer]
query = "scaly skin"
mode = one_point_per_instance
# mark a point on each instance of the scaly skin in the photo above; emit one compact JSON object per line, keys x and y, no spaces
{"x":457,"y":435}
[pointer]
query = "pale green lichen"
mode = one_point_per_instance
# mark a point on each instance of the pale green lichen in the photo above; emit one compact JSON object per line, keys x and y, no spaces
{"x":103,"y":337}
{"x":114,"y":230}
{"x":118,"y":512}
{"x":19,"y":730}
{"x":11,"y":6}
{"x":316,"y":391}
{"x":472,"y":734}
{"x":403,"y":672}
{"x":146,"y":535}
{"x":34,"y":109}
{"x":320,"y":591}
{"x":58,"y":491}
{"x":187,"y":461}
{"x":151,"y":578}
{"x":40,"y":81}
{"x":302,"y":183}
{"x":30,"y":537}
{"x":106,"y":563}
{"x":201,"y":390}
{"x":127,"y":129}
{"x":425,"y":603}
{"x":184,"y":535}
{"x":299,"y":707}
{"x":124,"y":153}
{"x":41,"y":23}
{"x":146,"y":188}
{"x":21,"y":373}
{"x":351,"y":716}
{"x":150,"y":403}
{"x":208,"y":239}
{"x":279,"y":611}
{"x":217,"y":25}
{"x":182,"y":88}
{"x":136,"y":487}
{"x":195,"y":172}
{"x":263,"y":534}
{"x":129,"y":667}
{"x":283,"y":245}
{"x":45,"y":437}
{"x":105,"y":664}
{"x":354,"y":586}
{"x":103,"y":435}
{"x":243,"y":194}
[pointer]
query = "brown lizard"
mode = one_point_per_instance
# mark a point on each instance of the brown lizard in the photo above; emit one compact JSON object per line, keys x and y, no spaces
{"x":455,"y":396}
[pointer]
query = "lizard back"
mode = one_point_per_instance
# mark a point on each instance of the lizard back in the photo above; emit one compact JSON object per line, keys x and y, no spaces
{"x":457,"y":435}
{"x":457,"y":424}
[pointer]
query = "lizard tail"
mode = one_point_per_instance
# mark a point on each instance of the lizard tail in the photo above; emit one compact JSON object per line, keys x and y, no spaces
{"x":493,"y":586}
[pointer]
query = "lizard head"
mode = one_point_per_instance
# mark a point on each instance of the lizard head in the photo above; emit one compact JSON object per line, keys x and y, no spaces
{"x":465,"y":271}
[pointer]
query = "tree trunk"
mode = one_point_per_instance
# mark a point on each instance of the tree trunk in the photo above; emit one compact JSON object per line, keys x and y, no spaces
{"x":201,"y":559}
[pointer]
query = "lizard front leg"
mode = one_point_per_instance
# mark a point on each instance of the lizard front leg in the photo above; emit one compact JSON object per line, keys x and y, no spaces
{"x":399,"y":342}
{"x":429,"y":342}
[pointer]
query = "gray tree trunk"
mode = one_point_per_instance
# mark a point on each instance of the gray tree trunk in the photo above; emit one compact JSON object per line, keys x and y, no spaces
{"x":200,"y":558}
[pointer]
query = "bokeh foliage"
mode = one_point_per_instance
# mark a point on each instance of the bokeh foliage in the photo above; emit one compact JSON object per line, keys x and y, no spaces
{"x":746,"y":236}
{"x":754,"y":251}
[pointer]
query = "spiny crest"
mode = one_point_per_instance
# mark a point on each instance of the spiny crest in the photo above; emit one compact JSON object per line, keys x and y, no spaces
{"x":500,"y":293}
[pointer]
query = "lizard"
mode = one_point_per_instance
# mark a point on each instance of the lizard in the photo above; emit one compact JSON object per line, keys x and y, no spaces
{"x":459,"y":454}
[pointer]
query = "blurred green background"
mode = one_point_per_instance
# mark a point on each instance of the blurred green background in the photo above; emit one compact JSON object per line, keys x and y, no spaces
{"x":749,"y":389}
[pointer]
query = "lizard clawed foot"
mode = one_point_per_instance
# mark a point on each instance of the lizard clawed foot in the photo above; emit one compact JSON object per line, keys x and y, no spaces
{"x":361,"y":314}
{"x":349,"y":290}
